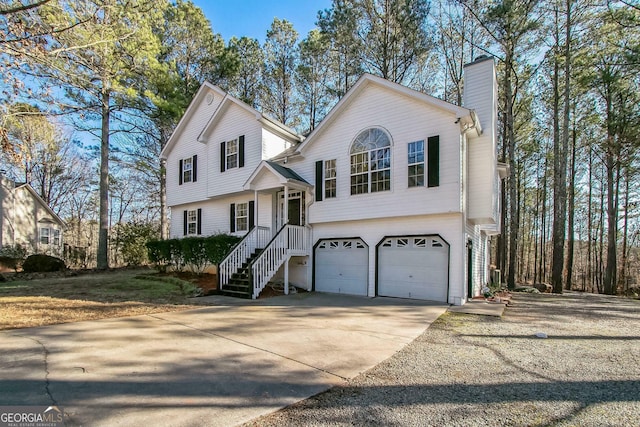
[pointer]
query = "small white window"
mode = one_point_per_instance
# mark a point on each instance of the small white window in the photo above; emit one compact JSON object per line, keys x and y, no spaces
{"x":242,"y":216}
{"x":416,"y":164}
{"x":45,"y":234}
{"x":192,"y":222}
{"x":232,"y":154}
{"x":56,"y":237}
{"x":329,"y":179}
{"x":187,"y":169}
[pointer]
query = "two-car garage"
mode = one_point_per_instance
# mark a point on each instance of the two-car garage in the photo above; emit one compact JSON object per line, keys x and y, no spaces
{"x":414,"y":267}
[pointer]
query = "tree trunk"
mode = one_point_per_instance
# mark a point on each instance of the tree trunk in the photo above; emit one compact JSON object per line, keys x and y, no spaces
{"x":164,"y":217}
{"x":623,"y":267}
{"x":571,"y":217}
{"x":511,"y":153}
{"x":102,"y":257}
{"x":612,"y":223}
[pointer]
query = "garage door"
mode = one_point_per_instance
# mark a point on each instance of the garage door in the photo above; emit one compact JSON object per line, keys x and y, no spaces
{"x":413,"y":267}
{"x":342,"y":266}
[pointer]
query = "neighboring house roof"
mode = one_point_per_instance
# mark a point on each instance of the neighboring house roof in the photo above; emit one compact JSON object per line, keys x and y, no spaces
{"x":284,"y":174}
{"x":466,"y":117}
{"x":228,"y":100}
{"x":44,"y":204}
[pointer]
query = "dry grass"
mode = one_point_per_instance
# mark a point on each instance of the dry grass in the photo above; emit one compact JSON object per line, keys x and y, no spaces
{"x":41,"y":302}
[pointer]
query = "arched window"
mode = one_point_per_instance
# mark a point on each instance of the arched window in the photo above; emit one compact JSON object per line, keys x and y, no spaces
{"x":371,"y":162}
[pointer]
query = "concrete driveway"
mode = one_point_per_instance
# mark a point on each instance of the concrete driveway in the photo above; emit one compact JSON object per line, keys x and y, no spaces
{"x":220,"y":365}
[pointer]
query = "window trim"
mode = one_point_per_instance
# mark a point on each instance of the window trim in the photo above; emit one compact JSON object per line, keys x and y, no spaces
{"x":367,"y":155}
{"x":230,"y":154}
{"x":42,"y":236}
{"x":192,"y":220}
{"x":416,"y":153}
{"x":238,"y":217}
{"x":330,"y":175}
{"x":187,"y":171}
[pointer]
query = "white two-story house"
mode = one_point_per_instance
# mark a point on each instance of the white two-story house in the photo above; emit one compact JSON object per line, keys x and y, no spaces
{"x":395,"y":193}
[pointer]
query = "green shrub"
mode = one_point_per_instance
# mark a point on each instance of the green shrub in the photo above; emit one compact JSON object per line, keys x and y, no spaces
{"x":194,"y":253}
{"x":131,"y":240}
{"x":40,"y":263}
{"x":12,"y":256}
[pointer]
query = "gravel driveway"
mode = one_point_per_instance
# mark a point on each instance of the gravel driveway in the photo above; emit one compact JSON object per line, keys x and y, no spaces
{"x":468,"y":370}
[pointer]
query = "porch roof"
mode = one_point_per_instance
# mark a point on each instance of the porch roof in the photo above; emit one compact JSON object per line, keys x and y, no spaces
{"x":269,"y":175}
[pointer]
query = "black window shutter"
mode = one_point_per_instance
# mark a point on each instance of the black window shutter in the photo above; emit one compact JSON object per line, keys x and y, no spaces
{"x":194,"y":168}
{"x":185,"y":223}
{"x":252,"y":214}
{"x":241,"y":152}
{"x":319,"y":181}
{"x":433,"y":161}
{"x":223,"y":156}
{"x":232,"y":218}
{"x":199,"y":225}
{"x":180,"y":174}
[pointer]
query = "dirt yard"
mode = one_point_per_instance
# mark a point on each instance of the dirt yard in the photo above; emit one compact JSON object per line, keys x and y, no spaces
{"x":118,"y":293}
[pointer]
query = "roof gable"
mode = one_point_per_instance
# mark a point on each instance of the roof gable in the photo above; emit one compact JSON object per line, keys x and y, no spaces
{"x":227,"y":101}
{"x":44,"y":204}
{"x":367,"y":80}
{"x":283,"y":175}
{"x":201,"y":96}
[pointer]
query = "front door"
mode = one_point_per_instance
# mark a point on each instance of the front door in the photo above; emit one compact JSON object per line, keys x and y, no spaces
{"x":295,"y":210}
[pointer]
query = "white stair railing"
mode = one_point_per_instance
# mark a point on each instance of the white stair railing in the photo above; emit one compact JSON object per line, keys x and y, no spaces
{"x":291,"y":240}
{"x":257,"y":238}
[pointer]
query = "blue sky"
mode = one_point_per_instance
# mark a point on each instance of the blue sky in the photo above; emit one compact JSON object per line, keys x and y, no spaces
{"x":252,"y":18}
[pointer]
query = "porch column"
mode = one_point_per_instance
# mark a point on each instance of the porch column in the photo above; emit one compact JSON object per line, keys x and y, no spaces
{"x":286,"y":276}
{"x":285,"y":214}
{"x":285,"y":217}
{"x":255,"y":206}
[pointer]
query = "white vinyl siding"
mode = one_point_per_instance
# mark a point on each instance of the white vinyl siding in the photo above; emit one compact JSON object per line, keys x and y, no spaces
{"x":215,"y":214}
{"x":187,"y":146}
{"x":405,"y":120}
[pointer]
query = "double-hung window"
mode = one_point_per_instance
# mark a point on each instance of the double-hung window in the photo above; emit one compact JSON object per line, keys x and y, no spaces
{"x":192,"y":222}
{"x":329,"y":179}
{"x":371,"y":162}
{"x":56,"y":237}
{"x":242,"y":216}
{"x":188,"y":170}
{"x":416,"y":164}
{"x":231,"y":155}
{"x":45,"y":234}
